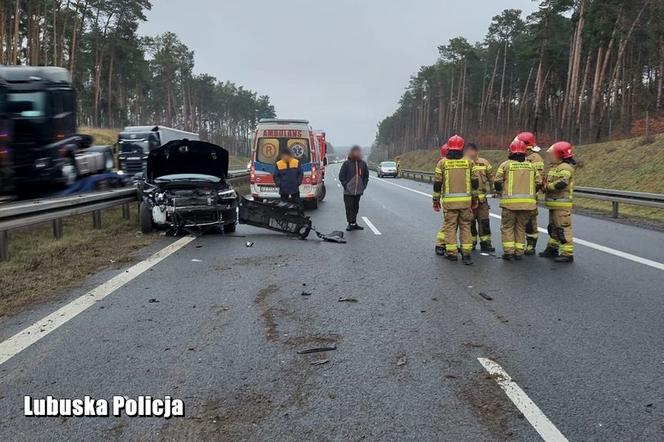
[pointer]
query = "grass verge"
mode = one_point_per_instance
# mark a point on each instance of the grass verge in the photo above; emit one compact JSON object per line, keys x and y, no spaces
{"x":41,"y":268}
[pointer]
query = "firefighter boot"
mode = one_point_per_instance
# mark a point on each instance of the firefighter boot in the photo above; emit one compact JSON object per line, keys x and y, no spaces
{"x":564,"y":258}
{"x":487,"y":247}
{"x":451,"y":256}
{"x":508,"y":256}
{"x":467,"y":259}
{"x":549,"y":252}
{"x":531,"y":246}
{"x":440,"y":250}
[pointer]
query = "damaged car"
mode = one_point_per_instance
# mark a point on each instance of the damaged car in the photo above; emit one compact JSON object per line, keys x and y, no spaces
{"x":185,"y":189}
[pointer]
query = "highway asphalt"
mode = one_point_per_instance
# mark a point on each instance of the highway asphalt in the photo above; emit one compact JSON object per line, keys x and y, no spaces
{"x":218,"y":325}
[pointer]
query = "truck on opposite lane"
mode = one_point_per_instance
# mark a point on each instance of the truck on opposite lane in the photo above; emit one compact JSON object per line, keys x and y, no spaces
{"x":136,"y":142}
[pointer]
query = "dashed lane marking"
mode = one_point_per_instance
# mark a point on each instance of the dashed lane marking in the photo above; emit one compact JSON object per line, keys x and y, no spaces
{"x":33,"y":333}
{"x":583,"y":242}
{"x":526,"y":406}
{"x":371,"y":226}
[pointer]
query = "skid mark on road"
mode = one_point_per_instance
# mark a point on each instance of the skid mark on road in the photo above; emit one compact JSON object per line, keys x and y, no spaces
{"x":371,"y":226}
{"x":527,"y":407}
{"x":33,"y":333}
{"x":583,"y":242}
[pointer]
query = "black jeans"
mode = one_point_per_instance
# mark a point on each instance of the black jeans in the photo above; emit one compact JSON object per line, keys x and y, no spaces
{"x":352,"y":203}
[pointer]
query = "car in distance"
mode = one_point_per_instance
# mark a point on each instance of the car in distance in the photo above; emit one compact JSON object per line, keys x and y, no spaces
{"x":185,"y":189}
{"x":387,"y":168}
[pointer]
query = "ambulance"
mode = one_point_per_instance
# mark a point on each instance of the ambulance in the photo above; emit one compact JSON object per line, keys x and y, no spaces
{"x":271,"y":137}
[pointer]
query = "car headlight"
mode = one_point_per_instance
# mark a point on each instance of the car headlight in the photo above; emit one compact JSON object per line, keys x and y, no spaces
{"x":227,"y":194}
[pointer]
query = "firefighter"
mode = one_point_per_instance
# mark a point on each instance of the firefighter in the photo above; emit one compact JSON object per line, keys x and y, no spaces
{"x":517,"y":180}
{"x":481,"y":225}
{"x":558,"y":189}
{"x":440,"y":236}
{"x":532,"y":155}
{"x":453,"y":187}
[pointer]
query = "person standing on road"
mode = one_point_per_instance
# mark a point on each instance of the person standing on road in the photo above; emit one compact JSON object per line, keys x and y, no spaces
{"x":558,"y":189}
{"x":354,"y":177}
{"x":481,"y":225}
{"x":532,"y":155}
{"x":440,"y":236}
{"x":453,"y":186}
{"x":517,"y":180}
{"x":288,"y":176}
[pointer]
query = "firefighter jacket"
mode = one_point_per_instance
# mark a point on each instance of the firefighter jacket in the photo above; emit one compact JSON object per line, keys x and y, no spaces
{"x":453,"y":183}
{"x":537,"y":161}
{"x":518,"y":183}
{"x":483,"y":171}
{"x":559,"y":188}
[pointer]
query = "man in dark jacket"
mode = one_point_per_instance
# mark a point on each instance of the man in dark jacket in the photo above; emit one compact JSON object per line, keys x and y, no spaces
{"x":354,"y":177}
{"x":288,"y":176}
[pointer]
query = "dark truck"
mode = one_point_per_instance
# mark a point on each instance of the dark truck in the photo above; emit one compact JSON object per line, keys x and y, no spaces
{"x":42,"y":146}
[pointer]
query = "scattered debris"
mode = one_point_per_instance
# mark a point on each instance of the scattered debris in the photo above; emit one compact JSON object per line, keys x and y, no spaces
{"x":423,"y":311}
{"x":342,"y":299}
{"x":153,"y":300}
{"x":319,"y":362}
{"x":316,"y":350}
{"x":199,"y":246}
{"x":335,"y":236}
{"x":451,"y":376}
{"x":485,"y":296}
{"x":403,"y":360}
{"x":249,"y":244}
{"x":305,"y":294}
{"x":196,"y":260}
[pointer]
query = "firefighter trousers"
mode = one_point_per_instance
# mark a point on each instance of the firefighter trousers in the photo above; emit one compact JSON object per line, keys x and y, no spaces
{"x":481,"y":225}
{"x":440,"y":236}
{"x":458,"y":220}
{"x":560,"y":231}
{"x":513,"y":230}
{"x":532,"y":233}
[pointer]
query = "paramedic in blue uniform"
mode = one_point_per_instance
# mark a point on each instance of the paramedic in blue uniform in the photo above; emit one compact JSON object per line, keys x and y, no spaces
{"x":288,"y":176}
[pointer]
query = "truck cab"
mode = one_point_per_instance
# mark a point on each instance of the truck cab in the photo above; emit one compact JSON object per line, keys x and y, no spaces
{"x":136,"y":142}
{"x":270,"y":138}
{"x":44,"y":148}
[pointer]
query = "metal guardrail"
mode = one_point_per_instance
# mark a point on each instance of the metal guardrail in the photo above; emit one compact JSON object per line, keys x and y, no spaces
{"x":616,"y":197}
{"x":27,"y":213}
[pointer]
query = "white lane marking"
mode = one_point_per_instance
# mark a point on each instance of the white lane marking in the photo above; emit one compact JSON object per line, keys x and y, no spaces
{"x":339,"y":185}
{"x":371,"y":226}
{"x":527,"y":407}
{"x":583,"y":242}
{"x":33,"y":333}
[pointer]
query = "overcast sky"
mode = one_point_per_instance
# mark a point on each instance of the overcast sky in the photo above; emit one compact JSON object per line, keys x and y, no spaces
{"x":342,"y":64}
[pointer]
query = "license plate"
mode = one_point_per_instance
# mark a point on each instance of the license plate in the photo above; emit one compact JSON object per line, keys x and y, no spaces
{"x":134,"y":159}
{"x":269,"y":189}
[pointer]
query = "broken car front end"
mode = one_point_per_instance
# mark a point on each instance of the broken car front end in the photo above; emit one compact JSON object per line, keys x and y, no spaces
{"x":186,"y":190}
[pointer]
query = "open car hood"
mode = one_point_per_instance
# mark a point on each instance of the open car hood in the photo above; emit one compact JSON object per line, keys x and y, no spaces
{"x":187,"y":157}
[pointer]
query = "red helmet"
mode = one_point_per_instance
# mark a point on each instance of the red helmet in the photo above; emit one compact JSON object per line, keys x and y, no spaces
{"x":518,"y":146}
{"x":444,"y":150}
{"x":456,"y":143}
{"x":562,"y":150}
{"x":528,"y":138}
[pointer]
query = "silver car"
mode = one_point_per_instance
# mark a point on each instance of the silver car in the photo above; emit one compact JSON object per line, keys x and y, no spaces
{"x":388,"y":168}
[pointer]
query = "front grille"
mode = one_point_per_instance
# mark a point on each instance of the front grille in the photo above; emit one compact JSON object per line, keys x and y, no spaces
{"x":133,"y":167}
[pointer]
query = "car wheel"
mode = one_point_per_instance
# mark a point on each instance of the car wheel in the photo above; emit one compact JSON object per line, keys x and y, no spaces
{"x":145,"y":218}
{"x":323,"y":192}
{"x":69,"y":171}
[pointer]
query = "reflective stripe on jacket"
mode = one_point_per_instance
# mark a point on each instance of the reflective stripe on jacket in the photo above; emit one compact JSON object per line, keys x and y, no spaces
{"x":519,"y":185}
{"x":560,"y":187}
{"x":483,"y":170}
{"x":457,"y":187}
